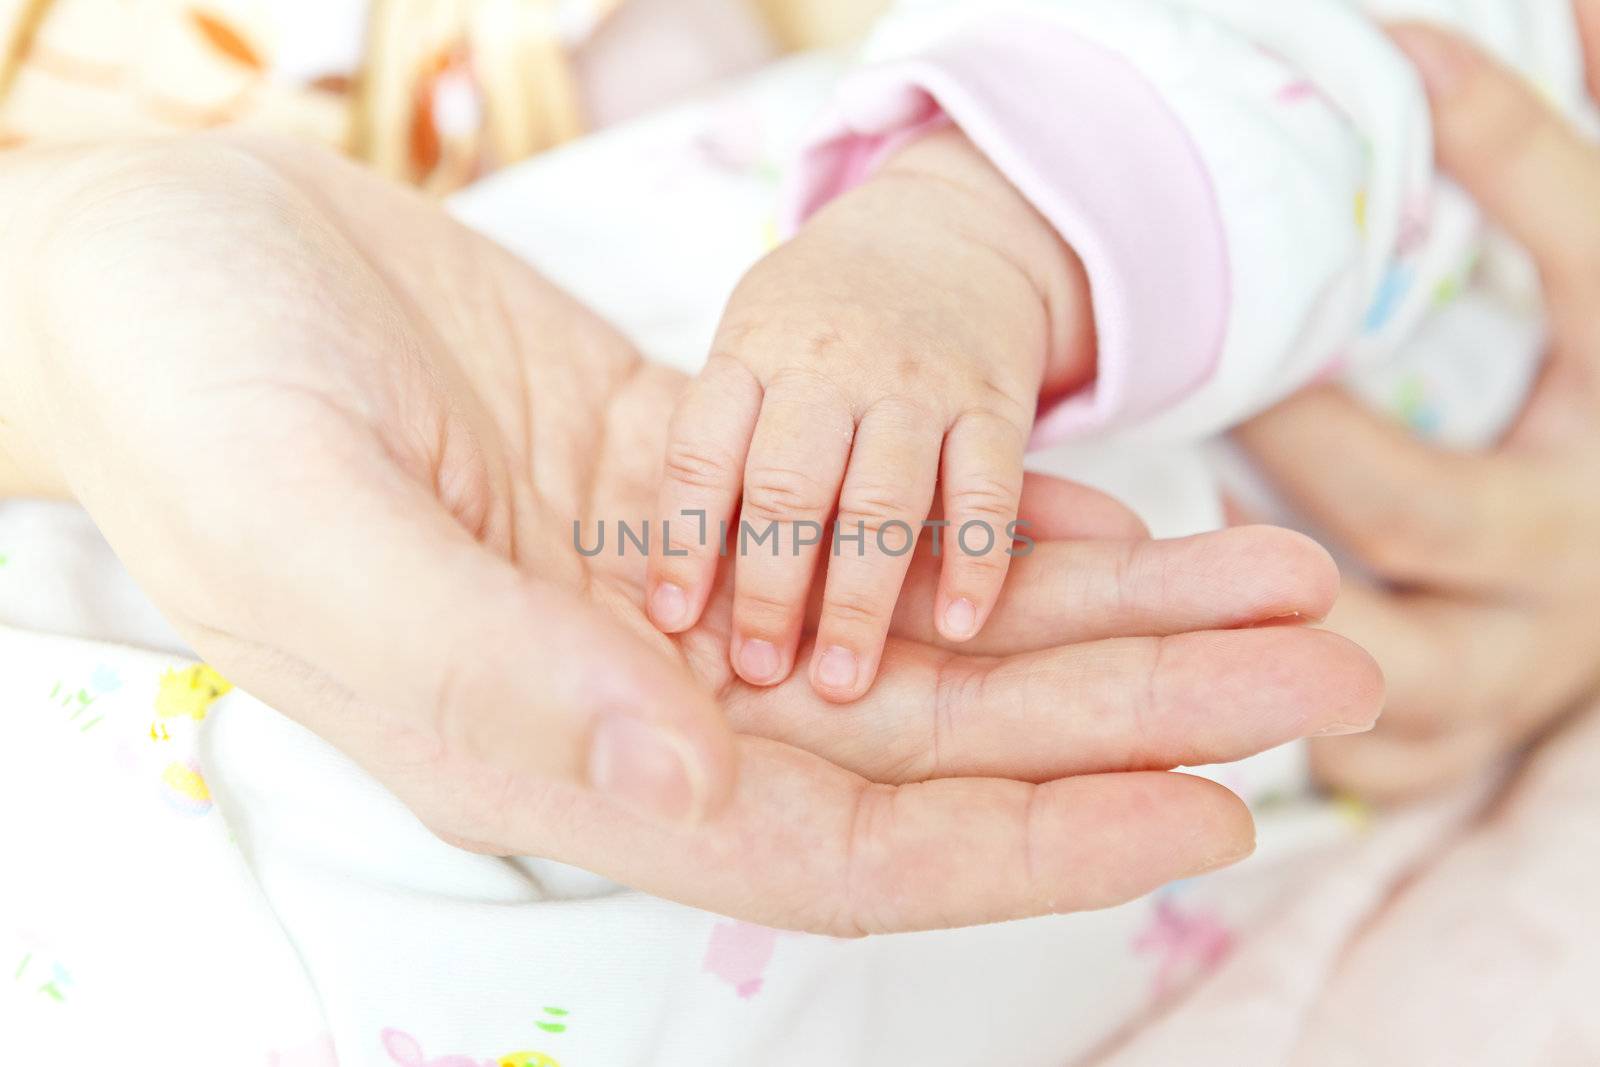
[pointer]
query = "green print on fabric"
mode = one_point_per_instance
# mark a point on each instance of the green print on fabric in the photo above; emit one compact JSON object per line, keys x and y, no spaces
{"x":76,"y":701}
{"x":553,"y":1027}
{"x":56,"y":980}
{"x":1416,"y":409}
{"x":1448,"y":291}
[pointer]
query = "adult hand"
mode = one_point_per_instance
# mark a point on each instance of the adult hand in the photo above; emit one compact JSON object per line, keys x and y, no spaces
{"x":1486,"y":627}
{"x":343,"y":442}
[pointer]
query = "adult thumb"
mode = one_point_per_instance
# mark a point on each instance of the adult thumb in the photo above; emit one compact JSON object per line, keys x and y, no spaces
{"x":487,"y":665}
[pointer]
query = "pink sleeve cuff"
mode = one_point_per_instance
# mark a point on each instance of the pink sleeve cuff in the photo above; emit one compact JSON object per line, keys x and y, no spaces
{"x":1092,"y":144}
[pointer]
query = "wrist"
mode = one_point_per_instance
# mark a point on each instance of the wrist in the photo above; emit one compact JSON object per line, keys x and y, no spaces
{"x":1014,"y":228}
{"x":53,"y":203}
{"x":87,"y":234}
{"x":33,"y":197}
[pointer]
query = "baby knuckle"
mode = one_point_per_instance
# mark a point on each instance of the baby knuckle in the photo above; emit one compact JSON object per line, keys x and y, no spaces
{"x":683,"y":551}
{"x":697,"y":467}
{"x":1003,"y":411}
{"x":736,"y":335}
{"x":729,"y":379}
{"x":895,"y":537}
{"x":875,"y":506}
{"x":763,"y":608}
{"x":1008,"y":407}
{"x":777,"y":494}
{"x":984,"y":568}
{"x":817,"y":392}
{"x":985,"y":497}
{"x":901,"y":414}
{"x":857,"y":609}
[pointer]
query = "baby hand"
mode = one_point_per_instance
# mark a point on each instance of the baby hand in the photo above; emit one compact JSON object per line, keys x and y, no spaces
{"x":897,"y":346}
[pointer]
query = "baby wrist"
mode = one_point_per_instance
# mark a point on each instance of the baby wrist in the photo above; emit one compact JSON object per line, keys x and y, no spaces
{"x":1009,"y":223}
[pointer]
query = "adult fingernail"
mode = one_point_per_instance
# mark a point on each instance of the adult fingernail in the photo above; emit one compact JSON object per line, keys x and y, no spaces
{"x":1440,"y":58}
{"x":1344,"y":729}
{"x":960,"y":619}
{"x":668,"y":606}
{"x":643,"y":767}
{"x":758,"y":661}
{"x":1217,"y":863}
{"x":837,"y":668}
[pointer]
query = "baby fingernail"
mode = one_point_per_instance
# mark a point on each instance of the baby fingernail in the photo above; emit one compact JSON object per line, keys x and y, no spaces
{"x":758,"y":661}
{"x":643,"y":767}
{"x":837,"y":668}
{"x":668,"y":606}
{"x":960,"y":619}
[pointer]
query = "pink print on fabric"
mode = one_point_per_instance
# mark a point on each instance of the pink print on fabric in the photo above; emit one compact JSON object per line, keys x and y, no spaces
{"x":1298,"y":92}
{"x":1187,"y":943}
{"x":739,"y":954}
{"x":1416,"y":225}
{"x":1335,"y":368}
{"x":318,"y":1053}
{"x":406,"y":1051}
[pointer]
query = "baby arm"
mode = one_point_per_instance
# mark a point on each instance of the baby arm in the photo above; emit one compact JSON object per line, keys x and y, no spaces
{"x":893,"y":352}
{"x":1250,"y":186}
{"x":1249,"y":189}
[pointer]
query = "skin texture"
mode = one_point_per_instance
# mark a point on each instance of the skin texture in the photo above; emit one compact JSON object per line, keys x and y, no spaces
{"x":882,"y":367}
{"x":1485,"y":625}
{"x":342,"y":441}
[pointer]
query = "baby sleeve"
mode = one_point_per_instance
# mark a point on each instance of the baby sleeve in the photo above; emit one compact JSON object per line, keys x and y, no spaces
{"x":1250,"y":185}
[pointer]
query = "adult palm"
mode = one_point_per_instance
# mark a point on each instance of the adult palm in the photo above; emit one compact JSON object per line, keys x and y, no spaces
{"x":343,"y":442}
